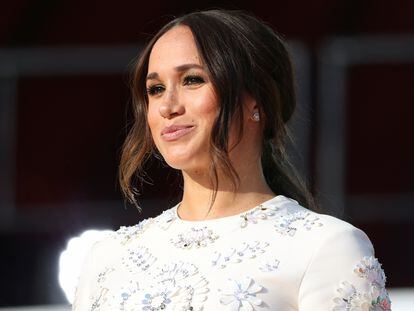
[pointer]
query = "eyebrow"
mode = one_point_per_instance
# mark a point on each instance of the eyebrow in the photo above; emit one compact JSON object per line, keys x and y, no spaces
{"x":181,"y":68}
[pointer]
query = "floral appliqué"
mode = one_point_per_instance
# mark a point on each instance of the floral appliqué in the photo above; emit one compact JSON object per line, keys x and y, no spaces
{"x":197,"y":237}
{"x":241,"y":294}
{"x":173,"y":286}
{"x":374,"y":299}
{"x":238,"y":254}
{"x":154,"y":299}
{"x":178,"y":284}
{"x":288,"y":224}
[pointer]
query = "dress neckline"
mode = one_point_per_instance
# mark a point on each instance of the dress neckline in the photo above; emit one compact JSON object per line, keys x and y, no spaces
{"x":275,"y":204}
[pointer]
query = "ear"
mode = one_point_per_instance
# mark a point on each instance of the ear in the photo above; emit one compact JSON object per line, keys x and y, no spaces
{"x":251,"y":109}
{"x":250,"y":106}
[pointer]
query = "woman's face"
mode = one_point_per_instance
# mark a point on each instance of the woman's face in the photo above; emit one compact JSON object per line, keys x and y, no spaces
{"x":182,"y":105}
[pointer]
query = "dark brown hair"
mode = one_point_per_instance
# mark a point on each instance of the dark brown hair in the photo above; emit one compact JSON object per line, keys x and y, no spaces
{"x":241,"y":54}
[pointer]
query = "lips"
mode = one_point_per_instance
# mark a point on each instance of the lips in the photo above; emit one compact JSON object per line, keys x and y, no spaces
{"x":174,"y":132}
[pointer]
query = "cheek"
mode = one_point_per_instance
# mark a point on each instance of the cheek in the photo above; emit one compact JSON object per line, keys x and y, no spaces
{"x":206,"y":105}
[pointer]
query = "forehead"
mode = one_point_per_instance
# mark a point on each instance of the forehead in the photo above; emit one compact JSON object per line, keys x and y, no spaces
{"x":174,"y":48}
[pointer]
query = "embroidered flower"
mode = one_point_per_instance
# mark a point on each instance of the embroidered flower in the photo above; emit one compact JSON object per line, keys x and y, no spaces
{"x":374,"y":299}
{"x":238,"y":254}
{"x":288,"y":224}
{"x":121,"y":294}
{"x":192,"y":297}
{"x":241,"y":294}
{"x":184,"y":280}
{"x":138,"y":259}
{"x":198,"y":237}
{"x":350,"y":299}
{"x":370,"y":268}
{"x":158,"y":299}
{"x":126,"y":234}
{"x":379,"y":299}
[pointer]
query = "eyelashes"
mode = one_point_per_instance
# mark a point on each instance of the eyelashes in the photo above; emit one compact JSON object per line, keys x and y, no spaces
{"x":154,"y":90}
{"x":190,"y":80}
{"x":193,"y":79}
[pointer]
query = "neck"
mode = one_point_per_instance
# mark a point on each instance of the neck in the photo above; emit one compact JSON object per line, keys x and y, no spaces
{"x":197,"y":201}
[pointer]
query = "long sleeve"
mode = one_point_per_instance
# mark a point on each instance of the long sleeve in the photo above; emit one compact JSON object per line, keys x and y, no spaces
{"x":83,"y":290}
{"x":343,"y":274}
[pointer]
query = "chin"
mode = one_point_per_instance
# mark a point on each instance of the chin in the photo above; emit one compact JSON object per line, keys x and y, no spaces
{"x":187,"y":163}
{"x":178,"y":164}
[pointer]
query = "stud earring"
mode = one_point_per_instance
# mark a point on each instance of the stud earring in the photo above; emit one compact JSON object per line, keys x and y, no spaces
{"x":255,"y":116}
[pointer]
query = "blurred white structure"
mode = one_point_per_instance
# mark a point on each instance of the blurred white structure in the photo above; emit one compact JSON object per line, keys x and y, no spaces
{"x":402,"y":299}
{"x":72,"y":258}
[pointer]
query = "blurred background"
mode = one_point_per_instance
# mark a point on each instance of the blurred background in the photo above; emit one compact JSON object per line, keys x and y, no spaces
{"x":64,"y":112}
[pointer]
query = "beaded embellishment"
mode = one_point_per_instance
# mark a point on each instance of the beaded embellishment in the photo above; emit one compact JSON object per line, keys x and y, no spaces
{"x":183,"y":281}
{"x":126,"y":234}
{"x":103,"y":274}
{"x":173,"y":286}
{"x":270,"y":266}
{"x":288,"y":224}
{"x":165,"y":219}
{"x":126,"y":297}
{"x":258,"y":213}
{"x":375,"y":298}
{"x":97,"y":301}
{"x":238,"y":254}
{"x":195,"y":237}
{"x":241,"y":294}
{"x":138,"y":259}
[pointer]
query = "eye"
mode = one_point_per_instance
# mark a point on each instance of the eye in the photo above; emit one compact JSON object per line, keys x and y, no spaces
{"x":155,"y":90}
{"x":193,"y":80}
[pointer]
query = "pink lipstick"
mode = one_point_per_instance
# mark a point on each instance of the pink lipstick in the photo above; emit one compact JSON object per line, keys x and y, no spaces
{"x":174,"y":132}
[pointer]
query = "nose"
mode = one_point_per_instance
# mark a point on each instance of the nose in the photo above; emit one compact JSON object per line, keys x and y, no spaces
{"x":171,"y":106}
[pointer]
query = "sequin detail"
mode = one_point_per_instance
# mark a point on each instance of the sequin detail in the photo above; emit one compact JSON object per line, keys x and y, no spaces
{"x":158,"y":300}
{"x":173,"y":286}
{"x":103,"y":274}
{"x":124,"y":300}
{"x":258,"y":213}
{"x":241,"y":294}
{"x":138,"y":259}
{"x":238,"y":254}
{"x":127,"y":234}
{"x":184,"y":282}
{"x":270,"y":266}
{"x":288,"y":224}
{"x":99,"y":300}
{"x":374,"y":299}
{"x":195,"y":237}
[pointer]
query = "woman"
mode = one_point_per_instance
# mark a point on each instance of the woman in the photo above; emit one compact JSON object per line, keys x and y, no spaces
{"x":213,"y":92}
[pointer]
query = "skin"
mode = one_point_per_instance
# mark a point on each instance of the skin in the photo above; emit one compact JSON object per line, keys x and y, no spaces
{"x":180,"y":92}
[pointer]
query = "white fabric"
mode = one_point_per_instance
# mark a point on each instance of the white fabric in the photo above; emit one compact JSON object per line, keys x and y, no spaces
{"x":277,"y":256}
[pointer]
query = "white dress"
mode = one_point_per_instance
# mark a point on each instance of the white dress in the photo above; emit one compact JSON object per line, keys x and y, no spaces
{"x":276,"y":256}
